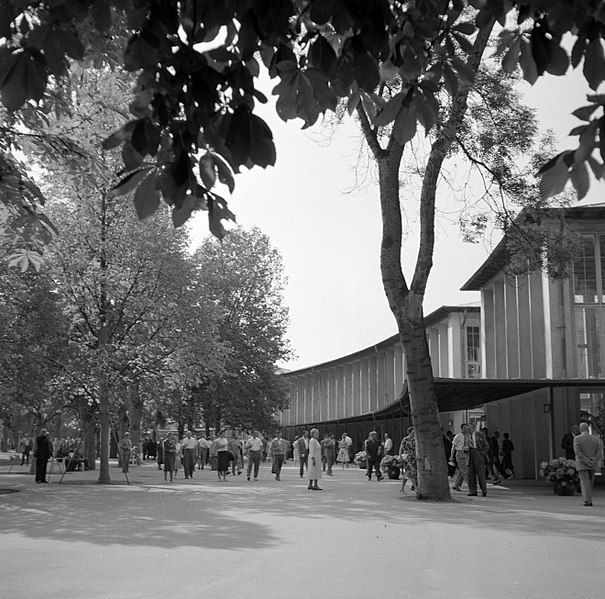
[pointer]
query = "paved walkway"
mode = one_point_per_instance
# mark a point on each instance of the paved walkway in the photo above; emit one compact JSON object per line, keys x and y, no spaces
{"x":267,"y":539}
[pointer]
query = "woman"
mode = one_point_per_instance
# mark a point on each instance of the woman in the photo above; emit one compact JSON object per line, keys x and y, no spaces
{"x":222,"y":454}
{"x":407,"y":453}
{"x":314,"y":468}
{"x":169,"y":452}
{"x":343,"y":451}
{"x":177,"y":455}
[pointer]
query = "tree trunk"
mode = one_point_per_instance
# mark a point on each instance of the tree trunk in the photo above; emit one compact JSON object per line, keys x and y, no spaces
{"x":88,"y":437}
{"x":134,"y":413}
{"x":104,"y":477}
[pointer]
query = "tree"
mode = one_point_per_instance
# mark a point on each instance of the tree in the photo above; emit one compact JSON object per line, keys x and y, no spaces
{"x":243,"y":277}
{"x":194,"y":122}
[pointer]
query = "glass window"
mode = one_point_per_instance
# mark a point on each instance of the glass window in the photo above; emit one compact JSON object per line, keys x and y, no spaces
{"x":588,"y":342}
{"x":473,"y":352}
{"x":585,"y":273}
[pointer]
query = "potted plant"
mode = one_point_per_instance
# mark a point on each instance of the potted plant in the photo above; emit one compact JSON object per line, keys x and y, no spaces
{"x":361,"y":459}
{"x":391,"y":465}
{"x":562,"y":473}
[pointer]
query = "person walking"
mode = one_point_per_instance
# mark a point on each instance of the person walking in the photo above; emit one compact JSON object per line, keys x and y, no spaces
{"x":28,"y":445}
{"x":388,"y":444}
{"x":169,"y":455}
{"x":189,"y":447}
{"x":254,"y":448}
{"x":314,"y":464}
{"x":486,"y":450}
{"x":460,"y":454}
{"x":373,"y":449}
{"x":507,"y":456}
{"x":587,"y":450}
{"x":125,"y":448}
{"x":478,"y":449}
{"x":236,"y":449}
{"x":43,"y":452}
{"x":202,"y":452}
{"x":407,"y":454}
{"x":329,"y":453}
{"x":277,"y":451}
{"x":160,"y":451}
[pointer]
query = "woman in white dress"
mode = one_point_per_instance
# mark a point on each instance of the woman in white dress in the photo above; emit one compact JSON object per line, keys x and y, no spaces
{"x":314,"y":468}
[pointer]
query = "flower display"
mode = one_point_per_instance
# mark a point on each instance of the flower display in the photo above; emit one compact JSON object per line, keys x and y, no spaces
{"x":560,"y":471}
{"x":361,"y":459}
{"x":390,"y":461}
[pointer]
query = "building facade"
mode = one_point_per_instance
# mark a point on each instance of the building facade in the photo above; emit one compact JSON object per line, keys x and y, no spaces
{"x":529,"y":332}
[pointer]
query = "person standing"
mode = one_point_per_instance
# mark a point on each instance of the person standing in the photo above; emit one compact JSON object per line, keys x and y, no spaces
{"x":314,"y":463}
{"x":42,"y":453}
{"x":169,"y":453}
{"x":125,"y":447}
{"x":202,"y":451}
{"x":303,"y":453}
{"x":277,"y":451}
{"x":343,"y":451}
{"x":222,"y":455}
{"x":236,"y":449}
{"x":486,"y":450}
{"x":587,"y":450}
{"x":407,"y":454}
{"x":27,"y":448}
{"x":507,"y":456}
{"x":329,"y":453}
{"x":254,"y":448}
{"x":567,"y":442}
{"x":189,"y":447}
{"x":160,"y":451}
{"x":373,"y":449}
{"x":460,"y":454}
{"x":478,"y":449}
{"x":388,"y":444}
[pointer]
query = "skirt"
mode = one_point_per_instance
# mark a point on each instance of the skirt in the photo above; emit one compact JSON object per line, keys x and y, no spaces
{"x":223,"y":461}
{"x":343,"y":456}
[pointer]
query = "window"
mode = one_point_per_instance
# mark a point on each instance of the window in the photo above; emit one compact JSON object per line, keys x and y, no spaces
{"x":589,"y":299}
{"x":473,"y":352}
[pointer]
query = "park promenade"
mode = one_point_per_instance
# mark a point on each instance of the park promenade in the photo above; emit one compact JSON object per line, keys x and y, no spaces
{"x":356,"y":539}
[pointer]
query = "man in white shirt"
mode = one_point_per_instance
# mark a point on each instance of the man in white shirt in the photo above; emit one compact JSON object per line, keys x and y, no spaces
{"x":254,"y":448}
{"x":202,"y":451}
{"x":388,"y":444}
{"x":460,"y":451}
{"x":189,"y":448}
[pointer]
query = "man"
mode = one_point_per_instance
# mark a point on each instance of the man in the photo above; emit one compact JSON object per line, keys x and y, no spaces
{"x":202,"y":451}
{"x":189,"y":449}
{"x":587,"y":449}
{"x":254,"y":448}
{"x":329,"y":453}
{"x":373,"y":449}
{"x":42,"y":453}
{"x":388,"y":444}
{"x":477,"y":452}
{"x":488,"y":457}
{"x":460,"y":456}
{"x":303,"y":452}
{"x":125,"y":448}
{"x":277,"y":451}
{"x":567,"y":442}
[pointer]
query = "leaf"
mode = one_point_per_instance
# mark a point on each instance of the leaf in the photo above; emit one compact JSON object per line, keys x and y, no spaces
{"x":594,"y":63}
{"x":181,"y":214}
{"x":116,"y":138}
{"x":22,"y":77}
{"x":391,"y":109}
{"x":528,"y":65}
{"x":207,"y":170}
{"x":129,"y":182}
{"x":585,"y":112}
{"x":225,"y":174}
{"x":597,"y":168}
{"x":580,"y":179}
{"x":405,"y":125}
{"x":554,"y":178}
{"x":511,"y":58}
{"x":147,"y":196}
{"x":101,"y":15}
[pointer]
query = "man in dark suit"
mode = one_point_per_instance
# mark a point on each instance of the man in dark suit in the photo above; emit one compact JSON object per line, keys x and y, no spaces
{"x":303,"y":452}
{"x":43,"y":453}
{"x":588,"y":458}
{"x":567,"y":442}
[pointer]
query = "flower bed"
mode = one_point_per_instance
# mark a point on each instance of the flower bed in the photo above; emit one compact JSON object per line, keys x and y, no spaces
{"x":562,"y":473}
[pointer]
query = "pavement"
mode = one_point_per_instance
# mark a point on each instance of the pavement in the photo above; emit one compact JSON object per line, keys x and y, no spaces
{"x":356,"y":539}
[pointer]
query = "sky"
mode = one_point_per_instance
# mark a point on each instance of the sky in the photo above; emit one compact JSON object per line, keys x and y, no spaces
{"x":319,"y":206}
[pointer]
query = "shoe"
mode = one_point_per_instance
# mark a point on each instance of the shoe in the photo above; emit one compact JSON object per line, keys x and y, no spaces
{"x":309,"y":488}
{"x":472,"y":495}
{"x":456,"y":488}
{"x":484,"y":494}
{"x":497,"y":481}
{"x":381,"y":477}
{"x":588,"y":503}
{"x":316,"y":488}
{"x":248,"y":477}
{"x":256,"y":479}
